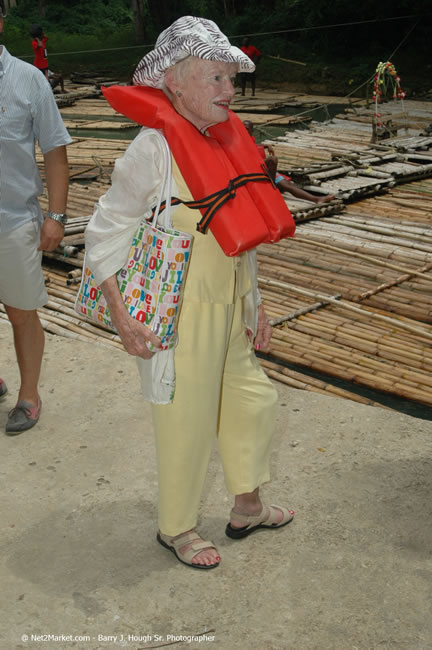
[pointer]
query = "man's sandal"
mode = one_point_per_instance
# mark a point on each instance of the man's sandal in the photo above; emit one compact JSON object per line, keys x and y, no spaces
{"x":186,"y":557}
{"x":266,"y":519}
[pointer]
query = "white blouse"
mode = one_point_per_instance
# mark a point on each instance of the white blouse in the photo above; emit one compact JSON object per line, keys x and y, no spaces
{"x":137,"y":180}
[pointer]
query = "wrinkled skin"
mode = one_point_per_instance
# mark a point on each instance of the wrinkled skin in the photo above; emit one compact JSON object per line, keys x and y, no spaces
{"x":203,"y":93}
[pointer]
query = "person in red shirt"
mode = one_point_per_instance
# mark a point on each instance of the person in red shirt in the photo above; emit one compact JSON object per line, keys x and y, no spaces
{"x":282,"y":182}
{"x":254,"y":54}
{"x":39,"y":48}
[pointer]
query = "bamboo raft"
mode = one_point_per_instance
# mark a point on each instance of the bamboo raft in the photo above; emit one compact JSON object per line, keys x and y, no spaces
{"x":81,"y":103}
{"x":272,"y":120}
{"x":349,"y":297}
{"x":90,"y":108}
{"x":271,"y":100}
{"x":91,"y":157}
{"x":102,"y":125}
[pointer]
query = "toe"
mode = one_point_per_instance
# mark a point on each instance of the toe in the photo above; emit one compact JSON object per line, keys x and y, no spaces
{"x":207,"y":557}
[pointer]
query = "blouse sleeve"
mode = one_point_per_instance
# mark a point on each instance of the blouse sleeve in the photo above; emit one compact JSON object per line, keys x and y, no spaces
{"x":135,"y":188}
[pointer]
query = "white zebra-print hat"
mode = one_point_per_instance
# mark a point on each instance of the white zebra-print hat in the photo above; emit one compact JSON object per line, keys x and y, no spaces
{"x":188,"y":36}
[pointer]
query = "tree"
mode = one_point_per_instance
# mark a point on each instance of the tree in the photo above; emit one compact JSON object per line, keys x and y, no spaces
{"x":9,"y":4}
{"x":229,"y":8}
{"x":138,"y":17}
{"x":163,"y":12}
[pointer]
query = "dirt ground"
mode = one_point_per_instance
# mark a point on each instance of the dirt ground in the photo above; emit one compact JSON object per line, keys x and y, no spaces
{"x":78,"y":512}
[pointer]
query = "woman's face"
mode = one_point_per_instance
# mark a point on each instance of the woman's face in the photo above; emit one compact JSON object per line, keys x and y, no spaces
{"x":204,"y":90}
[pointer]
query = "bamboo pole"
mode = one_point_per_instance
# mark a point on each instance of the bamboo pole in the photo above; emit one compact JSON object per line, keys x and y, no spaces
{"x":304,"y":382}
{"x":303,"y":310}
{"x":281,"y":58}
{"x":340,"y":354}
{"x":320,"y":362}
{"x":344,"y":305}
{"x":387,"y":285}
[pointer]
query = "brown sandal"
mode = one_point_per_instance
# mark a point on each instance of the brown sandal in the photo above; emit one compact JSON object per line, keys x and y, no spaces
{"x":186,"y":557}
{"x":255,"y":522}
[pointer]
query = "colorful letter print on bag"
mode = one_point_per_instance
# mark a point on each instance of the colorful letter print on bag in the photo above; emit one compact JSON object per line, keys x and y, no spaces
{"x":150,"y":282}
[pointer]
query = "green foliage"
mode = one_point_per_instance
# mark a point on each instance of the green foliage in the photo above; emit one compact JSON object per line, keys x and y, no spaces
{"x":72,"y":16}
{"x":344,"y":56}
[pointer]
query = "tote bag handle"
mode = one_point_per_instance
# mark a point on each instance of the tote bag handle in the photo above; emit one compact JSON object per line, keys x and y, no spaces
{"x":165,"y":186}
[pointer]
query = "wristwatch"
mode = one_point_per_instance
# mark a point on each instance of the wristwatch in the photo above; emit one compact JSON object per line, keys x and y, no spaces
{"x":61,"y":217}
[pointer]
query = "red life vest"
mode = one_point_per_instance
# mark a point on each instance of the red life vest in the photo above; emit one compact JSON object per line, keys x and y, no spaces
{"x":249,"y":214}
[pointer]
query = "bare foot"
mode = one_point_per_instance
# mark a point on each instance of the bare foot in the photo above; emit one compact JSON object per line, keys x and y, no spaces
{"x":325,"y":199}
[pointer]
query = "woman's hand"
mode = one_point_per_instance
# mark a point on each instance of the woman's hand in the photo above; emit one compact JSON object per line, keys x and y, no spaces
{"x":264,"y":330}
{"x":135,"y":336}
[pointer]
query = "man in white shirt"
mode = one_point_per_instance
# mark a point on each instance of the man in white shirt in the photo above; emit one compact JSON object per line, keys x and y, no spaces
{"x":28,"y":113}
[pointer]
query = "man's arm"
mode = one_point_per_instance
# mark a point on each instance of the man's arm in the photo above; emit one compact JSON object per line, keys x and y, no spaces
{"x":57,"y":180}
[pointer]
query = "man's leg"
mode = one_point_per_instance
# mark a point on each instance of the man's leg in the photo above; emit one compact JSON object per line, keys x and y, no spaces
{"x":22,"y":291}
{"x":29,"y":342}
{"x":253,"y":82}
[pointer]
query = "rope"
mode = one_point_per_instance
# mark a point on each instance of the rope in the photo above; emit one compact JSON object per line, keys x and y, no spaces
{"x":306,"y":29}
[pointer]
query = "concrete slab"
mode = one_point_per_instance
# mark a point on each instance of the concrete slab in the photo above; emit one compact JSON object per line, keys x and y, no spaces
{"x":78,"y":512}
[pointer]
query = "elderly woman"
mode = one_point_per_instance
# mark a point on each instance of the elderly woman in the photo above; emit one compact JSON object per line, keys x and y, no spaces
{"x":220,"y":390}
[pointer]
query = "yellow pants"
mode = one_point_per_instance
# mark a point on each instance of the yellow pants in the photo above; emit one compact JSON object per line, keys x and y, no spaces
{"x":221,"y":391}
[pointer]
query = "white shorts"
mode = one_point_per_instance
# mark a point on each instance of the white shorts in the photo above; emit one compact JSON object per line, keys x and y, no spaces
{"x":21,"y":279}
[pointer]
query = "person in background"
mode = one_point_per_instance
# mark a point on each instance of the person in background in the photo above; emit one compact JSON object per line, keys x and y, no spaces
{"x":56,"y":79}
{"x":254,"y":54}
{"x":29,"y":113}
{"x":39,"y":48}
{"x":282,"y":182}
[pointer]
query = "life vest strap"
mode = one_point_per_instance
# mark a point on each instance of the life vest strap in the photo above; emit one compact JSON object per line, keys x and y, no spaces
{"x":211,"y":203}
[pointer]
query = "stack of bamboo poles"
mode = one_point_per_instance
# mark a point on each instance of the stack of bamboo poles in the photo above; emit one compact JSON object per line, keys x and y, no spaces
{"x":359,"y":344}
{"x":75,"y":94}
{"x":90,"y":107}
{"x":296,"y":379}
{"x":342,"y":139}
{"x":273,"y":119}
{"x":417,"y":117}
{"x":409,"y":202}
{"x":310,"y":287}
{"x":350,"y":296}
{"x":384,"y":357}
{"x":59,"y":317}
{"x":404,"y":144}
{"x":353,"y":268}
{"x":81,"y":200}
{"x":89,"y":154}
{"x":303,"y":210}
{"x":98,"y":124}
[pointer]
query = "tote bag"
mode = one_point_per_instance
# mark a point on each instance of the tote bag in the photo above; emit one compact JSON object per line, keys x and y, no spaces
{"x":152,"y":278}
